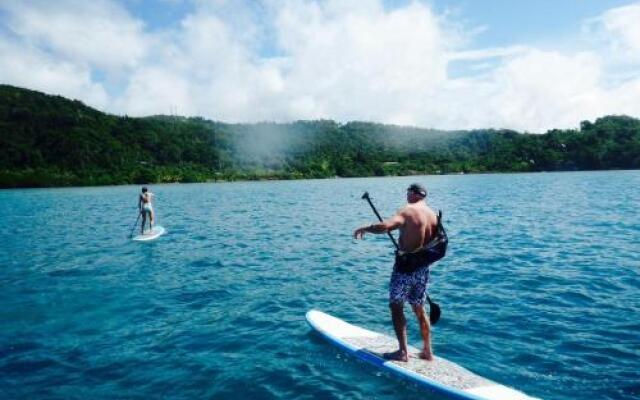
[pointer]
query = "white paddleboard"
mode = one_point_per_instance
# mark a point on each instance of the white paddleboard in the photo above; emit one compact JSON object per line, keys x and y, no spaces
{"x":440,"y":375}
{"x":154,"y":233}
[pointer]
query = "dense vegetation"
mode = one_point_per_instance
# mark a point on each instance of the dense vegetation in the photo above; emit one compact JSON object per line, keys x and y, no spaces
{"x":52,"y":141}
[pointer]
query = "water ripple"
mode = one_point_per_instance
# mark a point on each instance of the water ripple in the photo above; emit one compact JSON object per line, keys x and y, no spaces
{"x":539,"y":290}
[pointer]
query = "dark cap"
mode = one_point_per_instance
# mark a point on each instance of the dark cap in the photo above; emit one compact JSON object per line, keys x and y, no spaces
{"x":417,"y":189}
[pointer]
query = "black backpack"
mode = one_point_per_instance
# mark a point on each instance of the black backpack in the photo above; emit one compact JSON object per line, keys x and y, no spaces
{"x":431,"y":252}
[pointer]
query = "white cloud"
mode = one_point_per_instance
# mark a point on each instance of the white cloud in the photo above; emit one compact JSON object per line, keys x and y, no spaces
{"x":203,"y":69}
{"x":340,"y":59}
{"x":98,"y":33}
{"x":360,"y":61}
{"x":155,"y":91}
{"x":540,"y":90}
{"x":31,"y":68}
{"x":619,"y":28}
{"x":483,"y":54}
{"x":535,"y":90}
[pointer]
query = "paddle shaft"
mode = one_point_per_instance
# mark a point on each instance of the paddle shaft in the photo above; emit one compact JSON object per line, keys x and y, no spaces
{"x":134,"y":226}
{"x":366,"y":197}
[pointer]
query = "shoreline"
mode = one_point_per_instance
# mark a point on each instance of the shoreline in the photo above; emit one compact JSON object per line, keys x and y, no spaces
{"x":9,"y":188}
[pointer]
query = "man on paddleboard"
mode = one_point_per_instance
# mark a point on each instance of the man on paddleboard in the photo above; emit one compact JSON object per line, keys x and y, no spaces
{"x":146,"y":208}
{"x":418,"y":225}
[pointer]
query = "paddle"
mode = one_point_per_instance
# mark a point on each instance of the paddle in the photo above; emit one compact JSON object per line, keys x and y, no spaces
{"x":366,"y":197}
{"x":434,"y":308}
{"x":134,"y":226}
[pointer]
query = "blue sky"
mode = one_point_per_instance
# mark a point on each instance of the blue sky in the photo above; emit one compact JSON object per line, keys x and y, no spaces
{"x":455,"y":64}
{"x":505,"y":22}
{"x":511,"y":22}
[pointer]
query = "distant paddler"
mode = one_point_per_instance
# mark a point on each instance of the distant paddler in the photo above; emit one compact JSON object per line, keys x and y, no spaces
{"x":422,"y":241}
{"x":145,"y":207}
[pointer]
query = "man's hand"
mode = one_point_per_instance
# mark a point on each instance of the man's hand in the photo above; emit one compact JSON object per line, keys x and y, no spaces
{"x":390,"y":224}
{"x":359,"y":233}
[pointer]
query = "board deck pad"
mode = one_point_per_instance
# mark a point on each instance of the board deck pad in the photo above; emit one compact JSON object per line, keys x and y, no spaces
{"x":439,"y":375}
{"x":154,"y":233}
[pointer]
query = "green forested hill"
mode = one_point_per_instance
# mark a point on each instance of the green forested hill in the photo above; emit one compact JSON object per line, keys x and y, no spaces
{"x":52,"y":141}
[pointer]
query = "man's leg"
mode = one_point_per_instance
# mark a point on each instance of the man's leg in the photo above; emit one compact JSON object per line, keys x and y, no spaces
{"x":425,"y":331}
{"x":144,"y":221}
{"x":400,"y":327}
{"x":151,"y":217}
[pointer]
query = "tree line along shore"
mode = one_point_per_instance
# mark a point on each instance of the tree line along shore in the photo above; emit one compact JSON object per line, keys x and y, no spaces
{"x":53,"y":141}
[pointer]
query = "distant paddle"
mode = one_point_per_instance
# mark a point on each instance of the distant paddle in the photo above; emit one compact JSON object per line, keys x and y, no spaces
{"x":434,"y":308}
{"x":134,"y":226}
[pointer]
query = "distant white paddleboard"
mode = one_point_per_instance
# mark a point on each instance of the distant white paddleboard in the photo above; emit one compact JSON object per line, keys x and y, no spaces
{"x":440,"y":375}
{"x":151,"y":234}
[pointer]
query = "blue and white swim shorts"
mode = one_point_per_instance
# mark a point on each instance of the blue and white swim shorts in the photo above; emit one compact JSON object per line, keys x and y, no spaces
{"x":411,"y":288}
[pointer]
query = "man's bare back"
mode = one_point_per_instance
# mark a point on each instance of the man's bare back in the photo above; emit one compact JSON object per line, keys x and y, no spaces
{"x":419,"y":227}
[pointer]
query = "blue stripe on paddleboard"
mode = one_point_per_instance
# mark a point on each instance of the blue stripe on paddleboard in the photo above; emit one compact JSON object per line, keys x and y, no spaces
{"x":395,"y":369}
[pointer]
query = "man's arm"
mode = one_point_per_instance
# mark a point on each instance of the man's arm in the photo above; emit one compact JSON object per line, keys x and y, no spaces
{"x":385,"y":226}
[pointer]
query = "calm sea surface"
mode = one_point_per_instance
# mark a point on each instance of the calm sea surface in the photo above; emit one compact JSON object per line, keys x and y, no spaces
{"x":540,"y":290}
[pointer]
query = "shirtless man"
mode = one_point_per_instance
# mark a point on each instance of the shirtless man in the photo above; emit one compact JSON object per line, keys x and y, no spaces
{"x":145,"y":207}
{"x":418,"y":225}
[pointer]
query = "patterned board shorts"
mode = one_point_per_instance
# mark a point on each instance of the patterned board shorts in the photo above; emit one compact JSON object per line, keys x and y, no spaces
{"x":411,"y":288}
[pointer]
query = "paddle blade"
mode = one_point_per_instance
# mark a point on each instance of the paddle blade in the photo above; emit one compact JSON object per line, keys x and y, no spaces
{"x":434,"y":312}
{"x":365,"y":195}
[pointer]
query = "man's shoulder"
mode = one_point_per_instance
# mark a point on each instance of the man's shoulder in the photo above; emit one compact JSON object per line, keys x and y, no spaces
{"x":406,"y":209}
{"x":425,"y":210}
{"x":411,"y":210}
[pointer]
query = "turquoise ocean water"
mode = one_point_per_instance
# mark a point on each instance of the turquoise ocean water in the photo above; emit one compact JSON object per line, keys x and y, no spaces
{"x":540,"y":290}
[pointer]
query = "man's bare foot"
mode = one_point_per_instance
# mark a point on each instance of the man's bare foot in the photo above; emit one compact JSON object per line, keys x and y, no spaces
{"x":398,"y":355}
{"x":426,"y":355}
